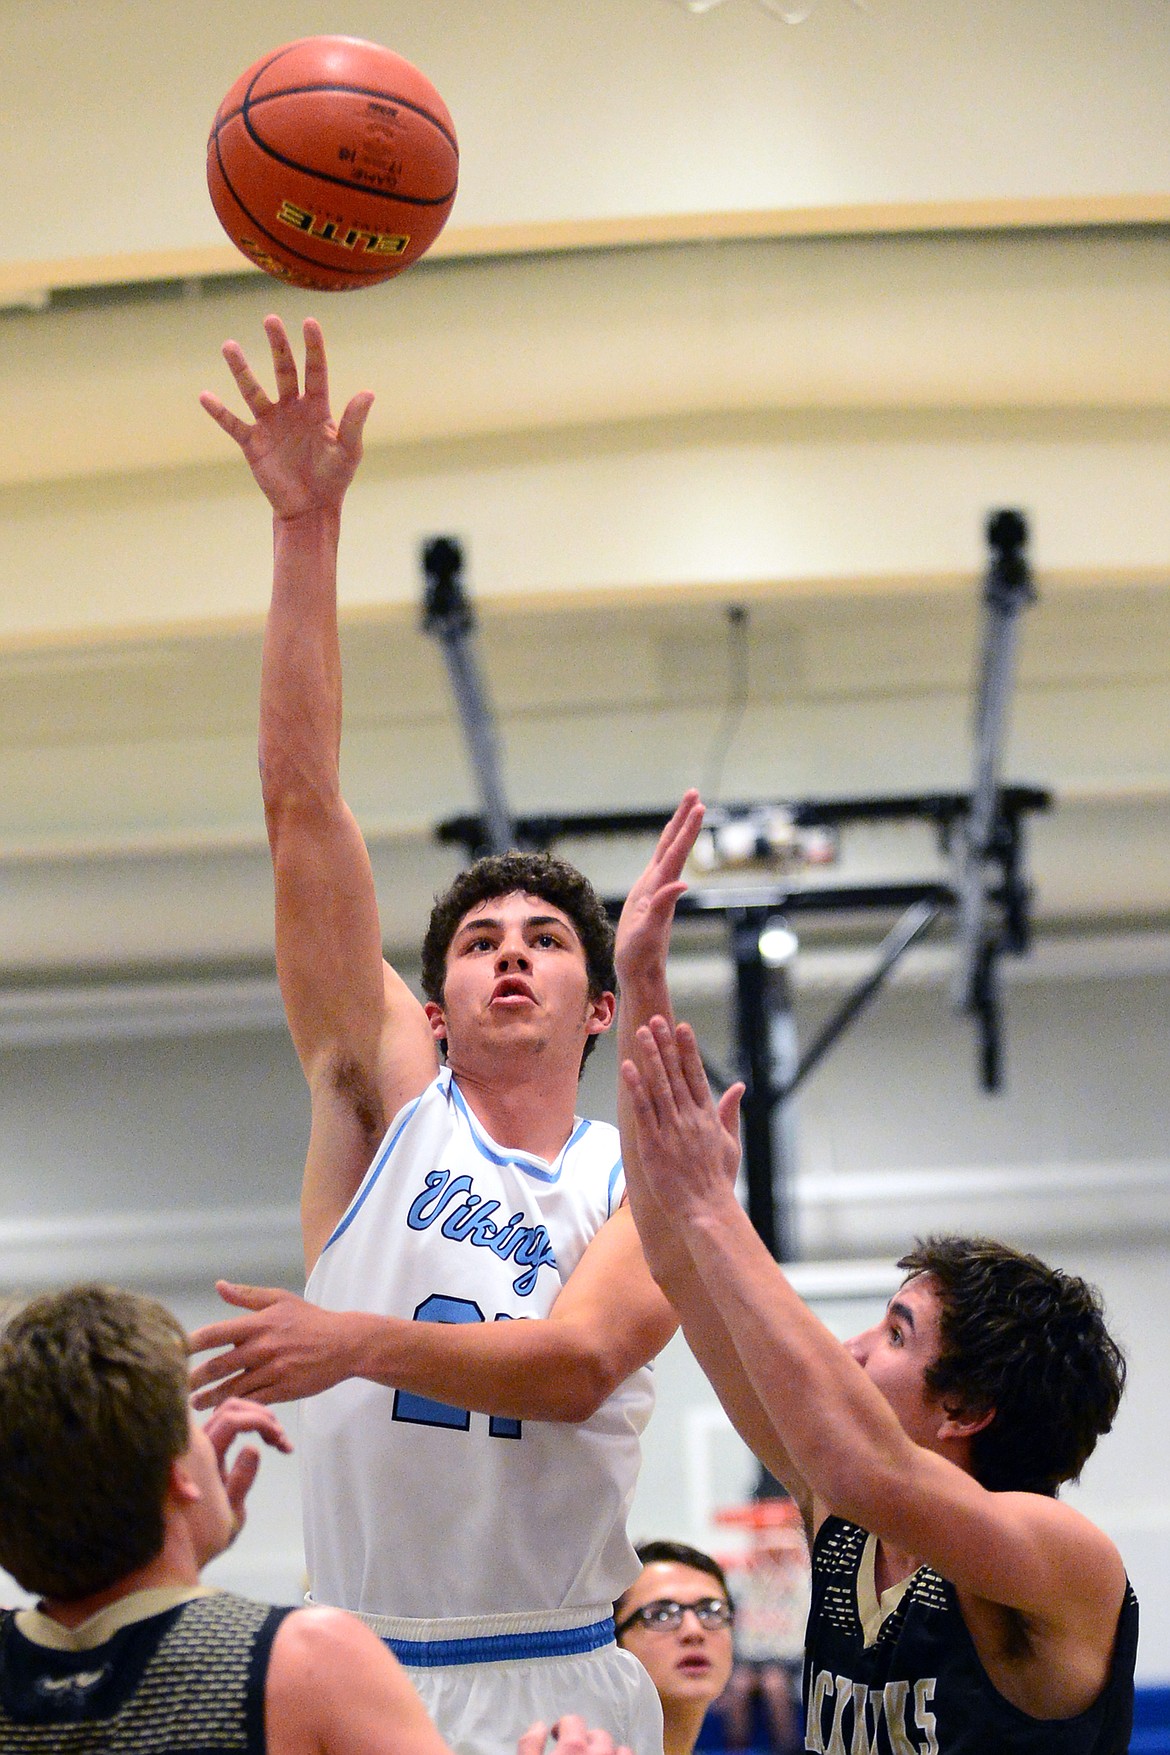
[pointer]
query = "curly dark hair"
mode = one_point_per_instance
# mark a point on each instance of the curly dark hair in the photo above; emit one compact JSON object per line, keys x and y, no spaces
{"x":1029,"y":1342}
{"x":531,"y":874}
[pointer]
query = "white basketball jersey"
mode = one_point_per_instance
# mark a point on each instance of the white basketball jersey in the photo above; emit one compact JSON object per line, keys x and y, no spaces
{"x":414,"y":1508}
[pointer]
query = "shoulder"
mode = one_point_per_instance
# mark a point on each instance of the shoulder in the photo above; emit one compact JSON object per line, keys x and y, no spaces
{"x":318,"y":1652}
{"x":318,"y":1634}
{"x":333,"y":1684}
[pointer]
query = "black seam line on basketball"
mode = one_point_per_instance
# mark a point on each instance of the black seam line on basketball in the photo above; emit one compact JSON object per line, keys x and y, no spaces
{"x":367,"y":91}
{"x":293,"y":164}
{"x":221,"y":120}
{"x":241,"y":112}
{"x":299,"y":90}
{"x":283,"y":243}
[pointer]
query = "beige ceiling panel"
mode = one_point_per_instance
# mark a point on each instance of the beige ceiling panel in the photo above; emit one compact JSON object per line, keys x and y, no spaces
{"x":704,"y":510}
{"x":105,"y":384}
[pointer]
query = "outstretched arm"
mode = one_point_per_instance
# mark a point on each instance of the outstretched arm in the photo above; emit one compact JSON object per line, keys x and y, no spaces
{"x":361,"y":1036}
{"x":711,"y":1132}
{"x":843,"y":1439}
{"x":608,"y":1320}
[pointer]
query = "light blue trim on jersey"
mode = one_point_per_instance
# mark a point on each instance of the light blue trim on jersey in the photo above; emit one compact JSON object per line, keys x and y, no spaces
{"x":524,"y":1161}
{"x":613,"y":1176}
{"x":374,"y":1171}
{"x":499,"y":1648}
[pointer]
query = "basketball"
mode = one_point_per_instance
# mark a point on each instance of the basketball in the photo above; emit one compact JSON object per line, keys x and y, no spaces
{"x":332,"y":163}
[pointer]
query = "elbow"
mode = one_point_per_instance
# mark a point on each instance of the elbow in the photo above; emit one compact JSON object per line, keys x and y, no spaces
{"x":291,"y":795}
{"x":580,"y":1388}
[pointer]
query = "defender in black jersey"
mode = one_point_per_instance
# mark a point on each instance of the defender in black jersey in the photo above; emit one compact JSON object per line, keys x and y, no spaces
{"x":113,"y":1500}
{"x":958,"y":1606}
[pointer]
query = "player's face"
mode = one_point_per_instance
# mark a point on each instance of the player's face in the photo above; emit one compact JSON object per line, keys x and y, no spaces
{"x":690,"y":1662}
{"x":516,"y":974}
{"x":897,"y":1352}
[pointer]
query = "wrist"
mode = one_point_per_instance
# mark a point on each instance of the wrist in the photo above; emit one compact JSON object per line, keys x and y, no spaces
{"x":363,"y":1343}
{"x":323,"y":519}
{"x":708,"y":1213}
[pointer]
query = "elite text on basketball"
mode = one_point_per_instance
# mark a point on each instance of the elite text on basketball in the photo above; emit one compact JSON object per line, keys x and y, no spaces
{"x":334,"y":231}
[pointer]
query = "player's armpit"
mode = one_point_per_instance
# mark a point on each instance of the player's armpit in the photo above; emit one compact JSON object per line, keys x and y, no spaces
{"x":354,"y":1102}
{"x":334,"y":1689}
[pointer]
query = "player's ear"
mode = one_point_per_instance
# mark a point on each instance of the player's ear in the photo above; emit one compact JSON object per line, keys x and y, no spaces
{"x":602,"y":1007}
{"x":182,"y":1487}
{"x":437,"y":1020}
{"x":965,"y":1422}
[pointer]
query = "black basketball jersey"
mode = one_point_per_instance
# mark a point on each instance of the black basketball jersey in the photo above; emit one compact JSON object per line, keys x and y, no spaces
{"x":189,"y":1681}
{"x":918,"y":1687}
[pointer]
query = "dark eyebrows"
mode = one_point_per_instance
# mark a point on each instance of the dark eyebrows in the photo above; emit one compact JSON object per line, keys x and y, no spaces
{"x":902,"y":1311}
{"x":488,"y":923}
{"x":479,"y":924}
{"x":551,"y":920}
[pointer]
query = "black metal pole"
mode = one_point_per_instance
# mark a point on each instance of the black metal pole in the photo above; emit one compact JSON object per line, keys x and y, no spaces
{"x":896,"y":943}
{"x":753,"y":1036}
{"x":1007,"y":590}
{"x":448,"y":616}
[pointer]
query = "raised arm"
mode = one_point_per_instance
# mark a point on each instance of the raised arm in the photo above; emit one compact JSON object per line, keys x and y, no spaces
{"x":713,"y":1132}
{"x":643,"y":942}
{"x":1017,"y":1550}
{"x":362,"y":1038}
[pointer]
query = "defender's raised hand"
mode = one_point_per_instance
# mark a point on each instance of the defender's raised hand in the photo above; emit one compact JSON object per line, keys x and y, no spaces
{"x":302,"y":459}
{"x":688,"y":1147}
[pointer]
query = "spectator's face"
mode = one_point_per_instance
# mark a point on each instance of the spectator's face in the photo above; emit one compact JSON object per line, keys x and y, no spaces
{"x":692,"y":1662}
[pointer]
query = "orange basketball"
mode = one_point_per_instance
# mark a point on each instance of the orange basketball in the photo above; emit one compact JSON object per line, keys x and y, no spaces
{"x":332,"y":163}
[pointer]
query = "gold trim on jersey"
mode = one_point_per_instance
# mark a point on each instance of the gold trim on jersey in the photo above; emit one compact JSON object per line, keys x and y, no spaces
{"x":139,"y":1605}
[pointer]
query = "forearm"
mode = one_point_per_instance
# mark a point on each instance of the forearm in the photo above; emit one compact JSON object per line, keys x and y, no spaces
{"x":842,"y":1439}
{"x":711,"y":1343}
{"x":528,"y":1369}
{"x":642,"y":994}
{"x":300,"y":684}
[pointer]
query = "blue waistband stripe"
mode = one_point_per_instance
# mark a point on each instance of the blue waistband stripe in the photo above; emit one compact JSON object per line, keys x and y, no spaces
{"x":499,"y":1648}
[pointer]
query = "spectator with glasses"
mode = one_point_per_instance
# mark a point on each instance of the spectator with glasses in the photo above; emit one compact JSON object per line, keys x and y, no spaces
{"x":676,"y":1620}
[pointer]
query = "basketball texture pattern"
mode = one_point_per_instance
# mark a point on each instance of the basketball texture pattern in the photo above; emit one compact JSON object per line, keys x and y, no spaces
{"x":332,"y":163}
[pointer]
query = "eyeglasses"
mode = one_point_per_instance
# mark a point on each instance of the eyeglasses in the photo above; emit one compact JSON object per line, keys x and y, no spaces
{"x":664,"y":1615}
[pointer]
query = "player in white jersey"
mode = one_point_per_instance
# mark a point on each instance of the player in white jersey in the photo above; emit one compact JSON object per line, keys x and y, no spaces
{"x":490,"y":1235}
{"x":486,"y":1520}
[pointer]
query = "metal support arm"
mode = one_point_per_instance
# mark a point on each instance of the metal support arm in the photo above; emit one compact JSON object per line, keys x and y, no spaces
{"x":447,"y":615}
